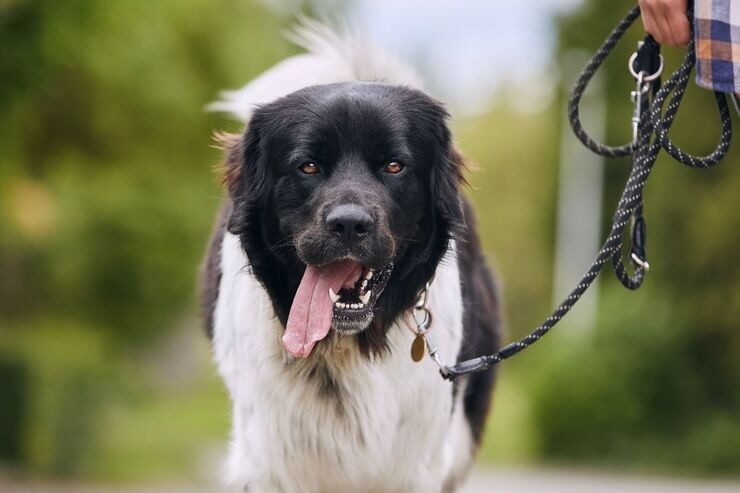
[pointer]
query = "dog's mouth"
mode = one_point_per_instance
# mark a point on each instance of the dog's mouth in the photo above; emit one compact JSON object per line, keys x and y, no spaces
{"x":354,"y":303}
{"x":340,"y":295}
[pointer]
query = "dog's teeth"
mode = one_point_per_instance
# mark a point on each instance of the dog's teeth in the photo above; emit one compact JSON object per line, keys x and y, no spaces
{"x":369,"y":275}
{"x":364,"y":285}
{"x":342,"y":305}
{"x":333,"y":296}
{"x":365,"y":297}
{"x":355,"y":306}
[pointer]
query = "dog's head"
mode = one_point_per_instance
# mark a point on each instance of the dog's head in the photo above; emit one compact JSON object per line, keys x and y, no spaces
{"x":344,"y":197}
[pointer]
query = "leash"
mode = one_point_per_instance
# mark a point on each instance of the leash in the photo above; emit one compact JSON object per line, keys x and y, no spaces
{"x":650,"y":126}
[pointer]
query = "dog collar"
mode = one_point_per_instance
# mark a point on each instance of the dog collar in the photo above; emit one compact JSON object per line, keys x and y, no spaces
{"x":419,"y":321}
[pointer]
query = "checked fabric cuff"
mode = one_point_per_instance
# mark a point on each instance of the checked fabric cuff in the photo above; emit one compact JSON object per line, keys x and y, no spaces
{"x":717,"y":32}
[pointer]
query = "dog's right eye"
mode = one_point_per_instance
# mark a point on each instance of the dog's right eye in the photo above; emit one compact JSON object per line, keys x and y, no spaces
{"x":309,"y":168}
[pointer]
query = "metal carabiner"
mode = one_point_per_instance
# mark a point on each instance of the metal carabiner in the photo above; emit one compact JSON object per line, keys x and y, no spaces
{"x":643,"y":81}
{"x":423,"y":323}
{"x":641,"y":88}
{"x":423,"y":298}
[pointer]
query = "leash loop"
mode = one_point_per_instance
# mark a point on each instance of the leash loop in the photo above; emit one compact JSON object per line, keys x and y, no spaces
{"x":675,"y":87}
{"x":574,"y":103}
{"x":646,"y":77}
{"x":651,"y":128}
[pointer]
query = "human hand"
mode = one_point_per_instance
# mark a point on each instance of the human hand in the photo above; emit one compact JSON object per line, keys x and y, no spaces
{"x":666,"y":20}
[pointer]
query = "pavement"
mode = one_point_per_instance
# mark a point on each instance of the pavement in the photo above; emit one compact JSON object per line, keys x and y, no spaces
{"x":503,"y":480}
{"x":569,"y":481}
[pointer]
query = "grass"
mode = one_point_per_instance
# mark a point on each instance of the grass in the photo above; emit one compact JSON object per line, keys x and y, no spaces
{"x":165,"y":433}
{"x":509,"y":436}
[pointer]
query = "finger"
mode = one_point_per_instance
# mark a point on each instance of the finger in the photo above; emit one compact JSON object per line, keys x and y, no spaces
{"x":646,"y":15}
{"x":648,"y":20}
{"x":681,"y":28}
{"x":663,"y":26}
{"x":673,"y":13}
{"x":650,"y":27}
{"x":669,"y":30}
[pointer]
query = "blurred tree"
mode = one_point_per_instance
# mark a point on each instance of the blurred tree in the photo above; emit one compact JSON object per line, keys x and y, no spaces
{"x":105,"y":156}
{"x":106,"y":192}
{"x":107,"y":196}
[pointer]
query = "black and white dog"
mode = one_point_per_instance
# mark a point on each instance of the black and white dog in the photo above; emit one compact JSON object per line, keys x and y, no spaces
{"x":343,"y":202}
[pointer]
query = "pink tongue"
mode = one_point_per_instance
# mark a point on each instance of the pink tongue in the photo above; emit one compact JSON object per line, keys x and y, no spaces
{"x":310,"y":315}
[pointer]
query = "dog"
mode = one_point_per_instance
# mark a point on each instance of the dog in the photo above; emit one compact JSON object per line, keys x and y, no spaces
{"x":344,"y":208}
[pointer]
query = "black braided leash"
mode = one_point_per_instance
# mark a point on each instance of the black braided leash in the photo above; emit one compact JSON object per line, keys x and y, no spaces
{"x":652,"y":127}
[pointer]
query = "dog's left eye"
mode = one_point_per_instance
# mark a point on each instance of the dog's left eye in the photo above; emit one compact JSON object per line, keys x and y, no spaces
{"x":309,"y":168}
{"x":394,"y":167}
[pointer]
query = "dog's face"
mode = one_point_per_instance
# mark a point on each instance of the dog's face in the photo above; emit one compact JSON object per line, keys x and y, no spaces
{"x":349,"y":190}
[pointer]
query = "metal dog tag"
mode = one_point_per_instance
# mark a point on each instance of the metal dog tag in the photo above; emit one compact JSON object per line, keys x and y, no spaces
{"x":418,"y":347}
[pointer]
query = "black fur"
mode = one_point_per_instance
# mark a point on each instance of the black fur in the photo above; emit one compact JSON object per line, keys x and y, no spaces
{"x":481,"y":324}
{"x":211,"y":270}
{"x":351,"y":131}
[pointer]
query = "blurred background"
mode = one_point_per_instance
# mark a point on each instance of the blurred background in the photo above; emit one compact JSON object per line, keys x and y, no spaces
{"x":108,"y":192}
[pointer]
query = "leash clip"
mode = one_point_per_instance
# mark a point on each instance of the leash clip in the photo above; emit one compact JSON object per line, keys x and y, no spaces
{"x":641,"y":88}
{"x":423,"y":320}
{"x":646,"y":58}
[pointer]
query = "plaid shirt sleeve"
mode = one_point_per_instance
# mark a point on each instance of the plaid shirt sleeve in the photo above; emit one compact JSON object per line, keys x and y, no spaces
{"x":717,"y":32}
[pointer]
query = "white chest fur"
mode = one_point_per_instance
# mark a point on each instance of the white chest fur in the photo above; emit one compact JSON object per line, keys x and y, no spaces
{"x":336,"y":422}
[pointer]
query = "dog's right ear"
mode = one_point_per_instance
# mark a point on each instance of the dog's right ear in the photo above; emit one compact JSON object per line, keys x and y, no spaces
{"x":229,"y":170}
{"x":244,"y":174}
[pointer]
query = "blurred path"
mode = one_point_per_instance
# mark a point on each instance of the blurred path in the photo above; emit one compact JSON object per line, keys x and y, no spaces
{"x":481,"y":481}
{"x":566,"y":481}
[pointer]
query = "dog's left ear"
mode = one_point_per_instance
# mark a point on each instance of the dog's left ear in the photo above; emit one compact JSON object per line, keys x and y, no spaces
{"x":448,"y":176}
{"x":446,"y":179}
{"x":448,"y":166}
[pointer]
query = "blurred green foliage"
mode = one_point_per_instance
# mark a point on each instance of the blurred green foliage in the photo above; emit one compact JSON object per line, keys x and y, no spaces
{"x":640,"y":392}
{"x":107,"y":195}
{"x":657,"y":382}
{"x":105,"y":157}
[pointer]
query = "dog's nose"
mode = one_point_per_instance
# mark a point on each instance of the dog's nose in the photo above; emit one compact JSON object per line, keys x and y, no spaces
{"x":351,"y":222}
